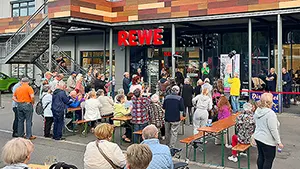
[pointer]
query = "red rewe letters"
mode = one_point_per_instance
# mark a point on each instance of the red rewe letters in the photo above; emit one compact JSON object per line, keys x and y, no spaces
{"x":140,"y":37}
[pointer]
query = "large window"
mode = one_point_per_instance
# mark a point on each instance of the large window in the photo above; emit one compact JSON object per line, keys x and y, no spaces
{"x":22,"y":8}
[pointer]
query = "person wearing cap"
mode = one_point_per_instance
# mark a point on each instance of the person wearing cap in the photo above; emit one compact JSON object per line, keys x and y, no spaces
{"x":24,"y":97}
{"x":126,"y":82}
{"x":244,"y":127}
{"x":173,"y":104}
{"x":71,"y":82}
{"x":235,"y":85}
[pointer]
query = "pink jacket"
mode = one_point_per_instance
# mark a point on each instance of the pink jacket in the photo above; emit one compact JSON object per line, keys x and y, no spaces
{"x":223,"y":112}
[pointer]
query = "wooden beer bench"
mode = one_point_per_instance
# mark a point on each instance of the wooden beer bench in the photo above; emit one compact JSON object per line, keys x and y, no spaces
{"x":241,"y":148}
{"x":189,"y":141}
{"x":216,"y":128}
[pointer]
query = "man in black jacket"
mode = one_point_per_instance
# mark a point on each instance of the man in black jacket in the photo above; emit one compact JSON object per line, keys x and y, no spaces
{"x":287,"y":87}
{"x":59,"y":105}
{"x":126,"y":82}
{"x":173,"y":104}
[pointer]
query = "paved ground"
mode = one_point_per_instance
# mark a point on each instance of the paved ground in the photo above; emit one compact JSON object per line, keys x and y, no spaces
{"x":72,"y":150}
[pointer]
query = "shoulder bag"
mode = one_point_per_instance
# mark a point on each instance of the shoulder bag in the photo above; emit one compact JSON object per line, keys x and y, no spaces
{"x":106,"y":158}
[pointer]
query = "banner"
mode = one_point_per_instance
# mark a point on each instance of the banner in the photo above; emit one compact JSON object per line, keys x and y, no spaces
{"x":256,"y":97}
{"x":226,"y":68}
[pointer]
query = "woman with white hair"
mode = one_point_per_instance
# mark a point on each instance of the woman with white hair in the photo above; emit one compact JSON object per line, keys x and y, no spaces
{"x":187,"y":95}
{"x":266,"y":132}
{"x":16,"y":153}
{"x":157,"y":114}
{"x":79,"y":86}
{"x":205,"y":71}
{"x":197,"y":89}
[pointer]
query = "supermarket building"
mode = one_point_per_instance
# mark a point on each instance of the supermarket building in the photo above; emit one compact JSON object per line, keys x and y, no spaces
{"x":118,"y":36}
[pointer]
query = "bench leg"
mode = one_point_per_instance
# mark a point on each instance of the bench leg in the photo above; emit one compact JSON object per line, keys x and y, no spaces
{"x":186,"y":151}
{"x":182,"y":127}
{"x":85,"y":129}
{"x":73,"y":124}
{"x":204,"y":147}
{"x":222,"y":147}
{"x":195,"y":153}
{"x":121,"y":141}
{"x":248,"y":156}
{"x":239,"y":160}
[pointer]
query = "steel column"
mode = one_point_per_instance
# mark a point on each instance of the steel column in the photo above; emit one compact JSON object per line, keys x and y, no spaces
{"x":279,"y":60}
{"x":250,"y":52}
{"x":110,"y":52}
{"x":104,"y":48}
{"x":269,"y":48}
{"x":173,"y":50}
{"x":50,"y":45}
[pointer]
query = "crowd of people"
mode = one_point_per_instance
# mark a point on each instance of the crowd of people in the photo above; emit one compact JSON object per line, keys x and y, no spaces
{"x":158,"y":115}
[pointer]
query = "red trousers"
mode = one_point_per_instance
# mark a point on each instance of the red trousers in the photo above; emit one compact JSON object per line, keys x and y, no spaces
{"x":234,"y":142}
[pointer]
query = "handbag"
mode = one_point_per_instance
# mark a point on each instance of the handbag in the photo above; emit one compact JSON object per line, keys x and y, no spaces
{"x":106,"y":158}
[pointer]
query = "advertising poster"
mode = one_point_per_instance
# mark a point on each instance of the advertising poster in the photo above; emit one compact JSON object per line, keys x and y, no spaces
{"x":226,"y":68}
{"x":256,"y":97}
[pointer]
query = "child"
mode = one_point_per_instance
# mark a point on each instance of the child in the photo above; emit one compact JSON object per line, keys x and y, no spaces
{"x":48,"y":116}
{"x":120,"y":111}
{"x":224,"y":111}
{"x":244,"y":126}
{"x":157,"y":114}
{"x":92,"y":109}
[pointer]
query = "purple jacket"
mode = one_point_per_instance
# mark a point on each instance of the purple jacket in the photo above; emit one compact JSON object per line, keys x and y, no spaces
{"x":223,"y":112}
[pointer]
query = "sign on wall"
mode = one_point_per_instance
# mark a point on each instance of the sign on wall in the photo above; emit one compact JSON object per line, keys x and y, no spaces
{"x":140,"y":37}
{"x":256,"y":97}
{"x":226,"y":68}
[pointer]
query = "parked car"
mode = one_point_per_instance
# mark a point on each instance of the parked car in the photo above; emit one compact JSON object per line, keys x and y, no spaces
{"x":6,"y":82}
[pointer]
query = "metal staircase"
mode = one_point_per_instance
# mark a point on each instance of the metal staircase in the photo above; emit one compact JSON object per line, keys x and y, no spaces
{"x":32,"y":39}
{"x":43,"y":62}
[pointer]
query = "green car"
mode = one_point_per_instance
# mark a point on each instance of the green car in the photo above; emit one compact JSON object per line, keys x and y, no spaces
{"x":6,"y":82}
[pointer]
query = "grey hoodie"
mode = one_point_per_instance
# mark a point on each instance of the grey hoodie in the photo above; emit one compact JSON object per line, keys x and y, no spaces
{"x":16,"y":166}
{"x":202,"y":102}
{"x":266,"y":130}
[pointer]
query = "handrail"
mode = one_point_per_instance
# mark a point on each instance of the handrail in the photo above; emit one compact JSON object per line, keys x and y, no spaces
{"x":73,"y":61}
{"x":31,"y":17}
{"x":25,"y":27}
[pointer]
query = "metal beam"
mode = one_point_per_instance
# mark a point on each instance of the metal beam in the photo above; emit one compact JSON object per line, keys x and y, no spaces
{"x":173,"y":50}
{"x":110,"y":52}
{"x":279,"y":60}
{"x":261,"y":20}
{"x":50,"y":46}
{"x":250,"y":52}
{"x":191,"y":25}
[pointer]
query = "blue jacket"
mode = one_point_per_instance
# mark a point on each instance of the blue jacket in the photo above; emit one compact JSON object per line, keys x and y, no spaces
{"x":173,"y":104}
{"x":161,"y":156}
{"x":59,"y":101}
{"x":73,"y":103}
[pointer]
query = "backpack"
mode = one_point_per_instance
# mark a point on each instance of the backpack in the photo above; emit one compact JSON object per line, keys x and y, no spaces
{"x":62,"y":165}
{"x":39,"y":109}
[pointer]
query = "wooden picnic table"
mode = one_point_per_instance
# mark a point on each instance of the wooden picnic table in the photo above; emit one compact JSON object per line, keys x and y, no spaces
{"x":123,"y":118}
{"x":38,"y":166}
{"x":218,"y":127}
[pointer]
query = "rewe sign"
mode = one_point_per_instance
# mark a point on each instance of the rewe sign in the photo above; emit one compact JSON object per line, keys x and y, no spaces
{"x":140,"y":37}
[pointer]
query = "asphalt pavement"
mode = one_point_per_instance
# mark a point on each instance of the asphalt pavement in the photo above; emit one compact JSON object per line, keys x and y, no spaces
{"x":72,"y":150}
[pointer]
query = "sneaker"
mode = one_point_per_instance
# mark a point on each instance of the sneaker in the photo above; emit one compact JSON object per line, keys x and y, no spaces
{"x":243,"y":154}
{"x":228,"y":146}
{"x":233,"y":159}
{"x":163,"y":138}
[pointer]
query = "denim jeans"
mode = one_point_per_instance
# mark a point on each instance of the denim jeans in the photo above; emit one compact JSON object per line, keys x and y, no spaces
{"x":137,"y":127}
{"x":235,"y":103}
{"x":58,"y":119}
{"x":25,"y":112}
{"x":16,"y":121}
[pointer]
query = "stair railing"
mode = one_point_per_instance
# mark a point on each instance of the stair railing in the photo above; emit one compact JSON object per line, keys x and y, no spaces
{"x":25,"y":29}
